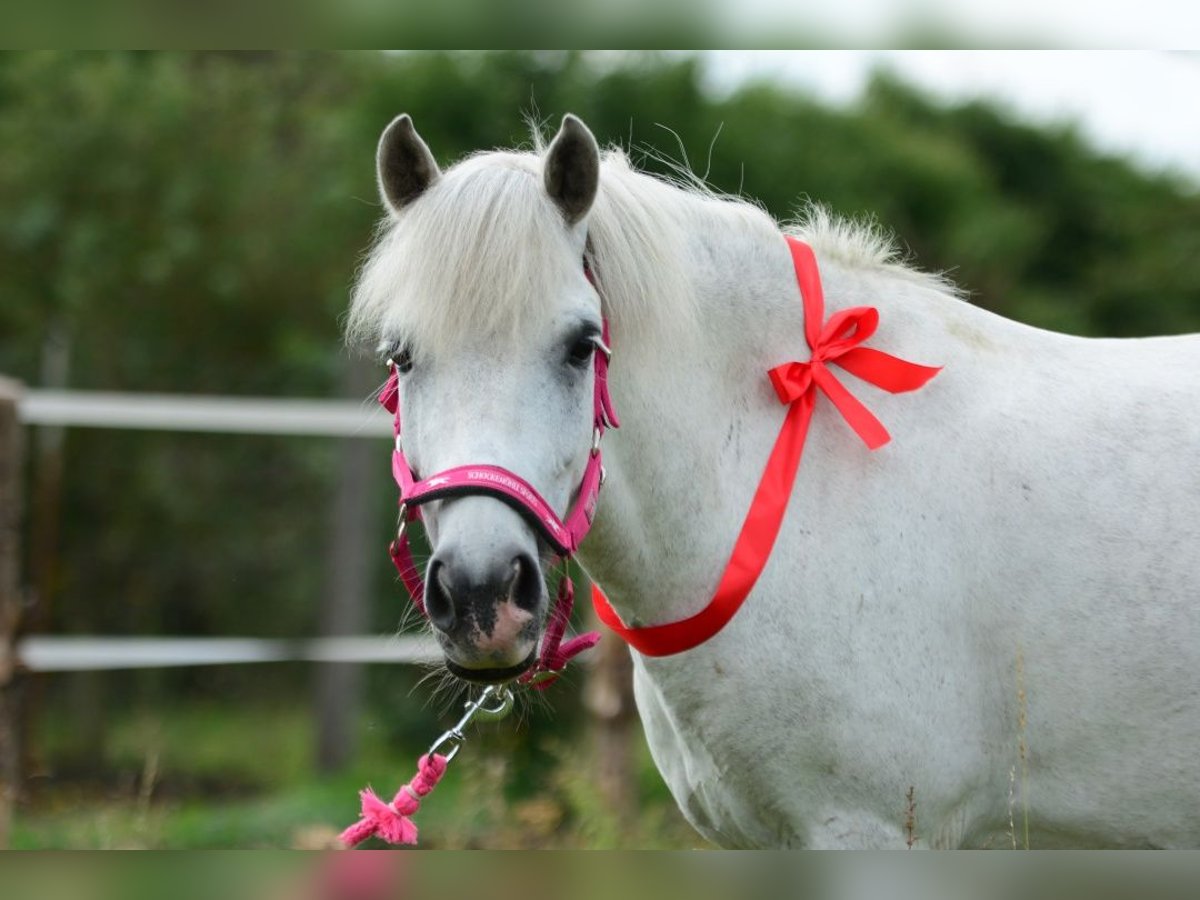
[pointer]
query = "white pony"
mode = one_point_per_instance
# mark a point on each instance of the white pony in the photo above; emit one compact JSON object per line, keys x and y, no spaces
{"x":985,"y":634}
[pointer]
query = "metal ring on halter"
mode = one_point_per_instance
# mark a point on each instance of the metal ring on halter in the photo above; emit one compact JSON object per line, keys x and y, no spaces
{"x":595,"y":441}
{"x":603,"y":475}
{"x":401,"y":521}
{"x":399,"y":445}
{"x":603,"y":348}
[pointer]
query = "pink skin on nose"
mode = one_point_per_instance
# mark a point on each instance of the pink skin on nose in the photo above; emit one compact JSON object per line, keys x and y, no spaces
{"x":510,"y":620}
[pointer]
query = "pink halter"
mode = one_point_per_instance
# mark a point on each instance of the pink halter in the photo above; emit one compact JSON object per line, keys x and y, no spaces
{"x":563,"y":535}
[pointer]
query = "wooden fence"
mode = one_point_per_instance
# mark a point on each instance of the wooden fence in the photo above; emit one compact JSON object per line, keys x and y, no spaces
{"x":608,"y":696}
{"x":336,"y":650}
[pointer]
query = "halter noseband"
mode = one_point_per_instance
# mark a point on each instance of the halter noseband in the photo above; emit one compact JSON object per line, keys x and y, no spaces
{"x":564,"y":535}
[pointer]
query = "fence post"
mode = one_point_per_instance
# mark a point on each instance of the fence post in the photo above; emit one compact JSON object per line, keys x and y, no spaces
{"x":608,"y":696}
{"x":43,"y":556}
{"x":10,"y":600}
{"x":344,"y":605}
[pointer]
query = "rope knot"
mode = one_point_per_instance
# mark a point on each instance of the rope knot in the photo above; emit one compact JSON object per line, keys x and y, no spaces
{"x":391,"y":822}
{"x":430,"y":770}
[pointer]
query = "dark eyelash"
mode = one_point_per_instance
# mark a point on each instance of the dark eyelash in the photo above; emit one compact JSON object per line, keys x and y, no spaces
{"x":399,"y":355}
{"x":585,"y":340}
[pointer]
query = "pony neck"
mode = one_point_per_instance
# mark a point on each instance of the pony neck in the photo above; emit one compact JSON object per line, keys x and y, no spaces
{"x":698,"y":420}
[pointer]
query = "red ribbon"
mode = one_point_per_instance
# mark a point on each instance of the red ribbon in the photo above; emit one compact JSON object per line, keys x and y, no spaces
{"x":797,"y":384}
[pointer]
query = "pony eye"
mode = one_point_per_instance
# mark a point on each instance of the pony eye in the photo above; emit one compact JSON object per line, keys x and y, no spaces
{"x":400,"y":357}
{"x":581,"y":352}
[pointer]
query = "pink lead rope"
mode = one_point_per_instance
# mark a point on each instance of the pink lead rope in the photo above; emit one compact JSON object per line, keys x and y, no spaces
{"x":392,"y":821}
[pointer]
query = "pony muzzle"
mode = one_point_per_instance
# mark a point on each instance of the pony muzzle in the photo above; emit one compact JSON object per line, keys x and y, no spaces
{"x":487,"y":614}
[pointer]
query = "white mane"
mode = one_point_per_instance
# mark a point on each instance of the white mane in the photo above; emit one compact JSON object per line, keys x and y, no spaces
{"x":863,"y":245}
{"x":478,"y":251}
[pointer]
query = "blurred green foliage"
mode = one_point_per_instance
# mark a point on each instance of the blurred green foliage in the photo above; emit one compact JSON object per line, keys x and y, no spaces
{"x":218,"y":775}
{"x":191,"y":222}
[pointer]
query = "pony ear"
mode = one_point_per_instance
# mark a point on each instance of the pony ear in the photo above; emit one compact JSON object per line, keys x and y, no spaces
{"x":572,"y":169}
{"x":403,"y":164}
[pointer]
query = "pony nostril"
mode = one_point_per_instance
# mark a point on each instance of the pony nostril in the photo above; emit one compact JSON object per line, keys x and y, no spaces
{"x":525,"y":588}
{"x":458,"y":594}
{"x":439,"y":605}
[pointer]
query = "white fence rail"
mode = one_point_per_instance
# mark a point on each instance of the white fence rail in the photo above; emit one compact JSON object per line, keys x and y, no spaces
{"x":195,"y":412}
{"x":44,"y":653}
{"x":227,"y":415}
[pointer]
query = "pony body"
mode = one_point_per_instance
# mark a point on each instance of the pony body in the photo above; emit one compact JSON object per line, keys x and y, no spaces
{"x":997,"y":612}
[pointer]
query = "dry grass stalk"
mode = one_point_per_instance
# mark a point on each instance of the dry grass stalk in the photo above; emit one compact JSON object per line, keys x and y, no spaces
{"x":1012,"y":787}
{"x":910,"y":817}
{"x":1022,"y":746}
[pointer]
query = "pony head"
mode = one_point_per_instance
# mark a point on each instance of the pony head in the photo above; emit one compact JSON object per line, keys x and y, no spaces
{"x":477,"y":292}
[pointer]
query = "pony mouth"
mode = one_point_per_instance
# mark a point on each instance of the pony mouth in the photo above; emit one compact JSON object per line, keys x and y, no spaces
{"x":492,"y":676}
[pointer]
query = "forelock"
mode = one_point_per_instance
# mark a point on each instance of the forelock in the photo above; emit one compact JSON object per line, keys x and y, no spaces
{"x":483,"y":250}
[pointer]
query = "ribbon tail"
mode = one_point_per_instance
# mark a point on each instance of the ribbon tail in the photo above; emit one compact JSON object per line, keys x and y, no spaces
{"x":894,"y":375}
{"x":861,"y":419}
{"x":760,"y":528}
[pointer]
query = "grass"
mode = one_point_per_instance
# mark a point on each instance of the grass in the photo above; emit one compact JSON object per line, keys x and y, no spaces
{"x":204,"y":776}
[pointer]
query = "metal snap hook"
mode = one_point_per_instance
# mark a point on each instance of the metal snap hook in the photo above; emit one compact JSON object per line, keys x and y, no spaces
{"x":475,"y":709}
{"x":502,"y":707}
{"x":453,"y":739}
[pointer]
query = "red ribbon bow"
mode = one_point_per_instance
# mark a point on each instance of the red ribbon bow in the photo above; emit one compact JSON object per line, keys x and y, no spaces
{"x":796,"y":383}
{"x":837,"y":341}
